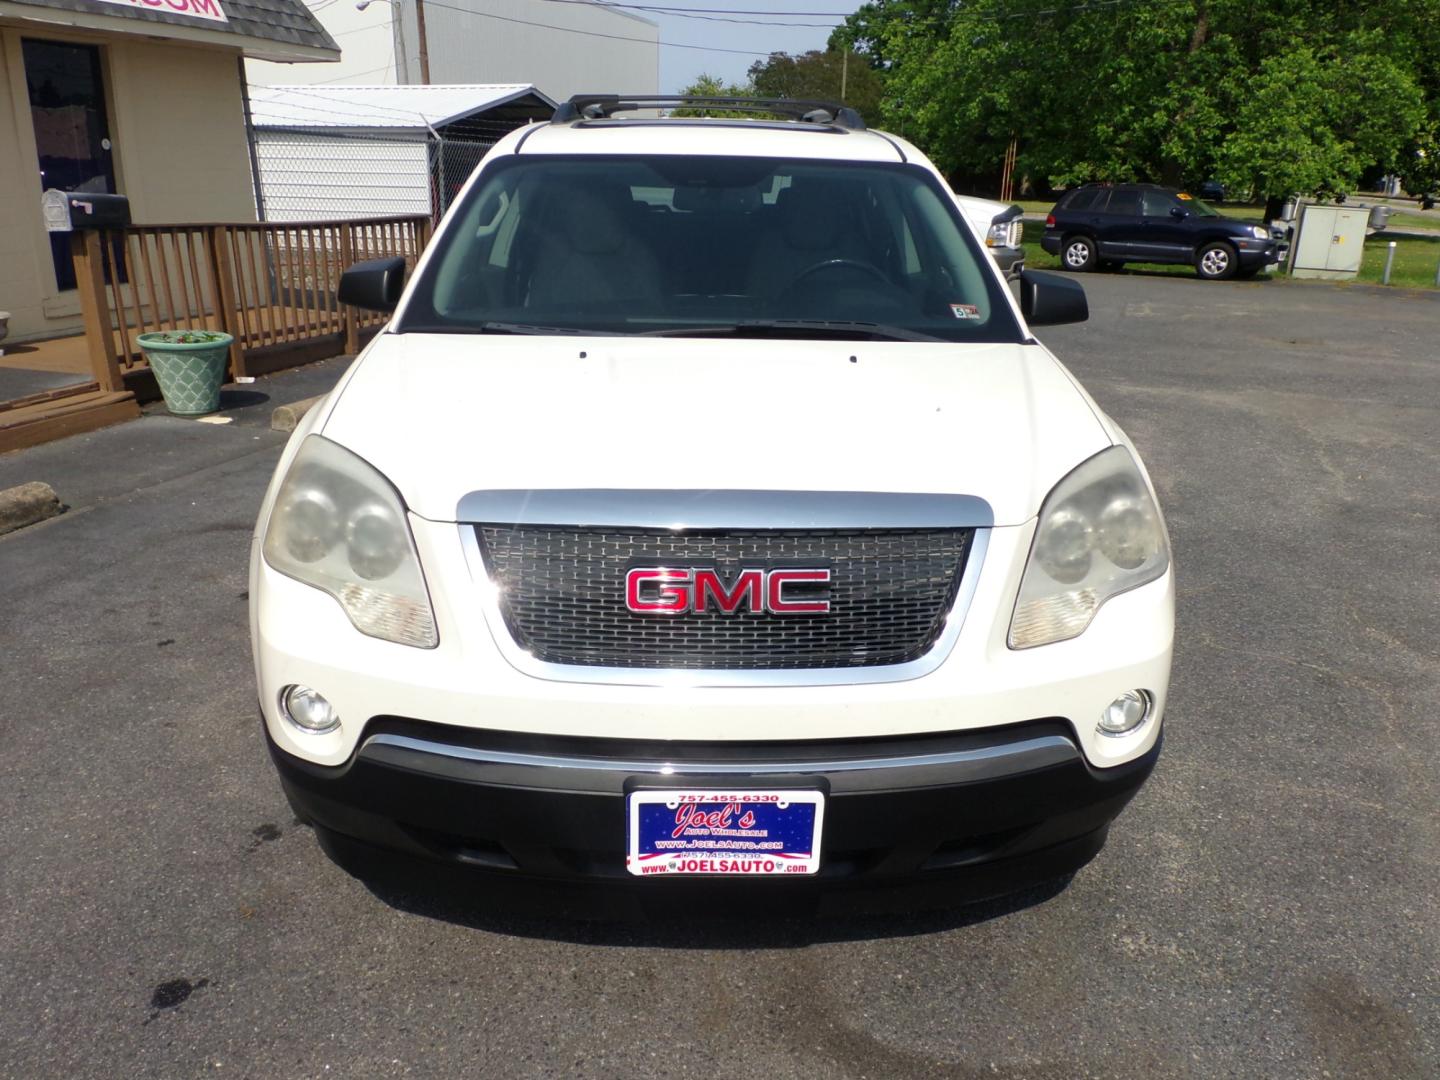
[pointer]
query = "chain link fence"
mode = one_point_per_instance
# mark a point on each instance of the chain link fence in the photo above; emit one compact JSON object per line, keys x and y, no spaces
{"x":314,"y":175}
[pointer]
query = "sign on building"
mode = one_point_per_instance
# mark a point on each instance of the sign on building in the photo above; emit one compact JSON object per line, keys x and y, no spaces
{"x":198,"y":9}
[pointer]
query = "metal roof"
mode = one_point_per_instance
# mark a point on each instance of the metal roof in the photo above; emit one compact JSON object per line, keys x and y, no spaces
{"x":286,"y":21}
{"x":365,"y":107}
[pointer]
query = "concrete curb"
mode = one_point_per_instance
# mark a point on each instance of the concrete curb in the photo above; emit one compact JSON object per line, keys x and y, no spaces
{"x":27,"y":504}
{"x":286,"y":417}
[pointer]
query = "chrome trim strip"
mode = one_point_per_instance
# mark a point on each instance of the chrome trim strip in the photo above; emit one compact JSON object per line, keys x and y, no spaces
{"x":616,"y":676}
{"x":845,"y":775}
{"x":724,"y":509}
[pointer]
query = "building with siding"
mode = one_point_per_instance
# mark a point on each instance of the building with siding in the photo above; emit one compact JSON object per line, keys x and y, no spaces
{"x":146,"y":99}
{"x":562,"y":48}
{"x":367,"y":151}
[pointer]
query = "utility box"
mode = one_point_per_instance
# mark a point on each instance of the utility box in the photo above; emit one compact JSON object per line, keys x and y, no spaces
{"x":1329,"y":242}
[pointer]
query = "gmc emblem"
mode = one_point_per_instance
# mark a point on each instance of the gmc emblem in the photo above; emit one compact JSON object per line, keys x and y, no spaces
{"x":664,"y":590}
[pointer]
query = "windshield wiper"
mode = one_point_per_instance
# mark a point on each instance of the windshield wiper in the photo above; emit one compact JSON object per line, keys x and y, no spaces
{"x":836,"y":328}
{"x":544,"y":331}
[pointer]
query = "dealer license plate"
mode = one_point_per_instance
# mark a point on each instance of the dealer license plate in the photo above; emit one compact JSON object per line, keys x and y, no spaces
{"x":730,"y":833}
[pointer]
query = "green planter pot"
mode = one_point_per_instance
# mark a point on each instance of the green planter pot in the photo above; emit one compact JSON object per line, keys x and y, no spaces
{"x":189,"y":373}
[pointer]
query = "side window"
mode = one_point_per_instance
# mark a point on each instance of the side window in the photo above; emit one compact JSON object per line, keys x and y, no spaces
{"x":1084,"y":199}
{"x":1125,"y":202}
{"x":1157,"y":204}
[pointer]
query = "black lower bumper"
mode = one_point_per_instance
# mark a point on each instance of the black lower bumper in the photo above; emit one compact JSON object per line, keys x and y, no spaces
{"x":1257,"y":253}
{"x":996,"y":810}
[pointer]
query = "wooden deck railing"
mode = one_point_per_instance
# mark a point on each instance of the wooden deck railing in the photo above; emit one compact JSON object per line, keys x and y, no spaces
{"x":272,"y":285}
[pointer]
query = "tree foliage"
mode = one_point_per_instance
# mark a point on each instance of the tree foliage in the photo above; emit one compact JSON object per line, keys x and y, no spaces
{"x":1274,"y":96}
{"x":814,"y":75}
{"x":820,"y":76}
{"x":712,"y":86}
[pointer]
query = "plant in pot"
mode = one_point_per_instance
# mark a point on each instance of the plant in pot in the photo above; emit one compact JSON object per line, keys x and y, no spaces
{"x":189,"y":365}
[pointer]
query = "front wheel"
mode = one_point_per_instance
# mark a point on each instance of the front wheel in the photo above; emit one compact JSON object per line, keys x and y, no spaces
{"x":1216,"y":262}
{"x":1078,"y":253}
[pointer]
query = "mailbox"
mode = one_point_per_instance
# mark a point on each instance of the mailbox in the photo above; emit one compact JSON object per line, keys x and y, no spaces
{"x":66,"y":211}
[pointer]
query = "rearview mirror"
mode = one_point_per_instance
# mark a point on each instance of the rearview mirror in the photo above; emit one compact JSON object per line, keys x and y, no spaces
{"x":1179,"y":213}
{"x":375,"y":284}
{"x":1048,"y":299}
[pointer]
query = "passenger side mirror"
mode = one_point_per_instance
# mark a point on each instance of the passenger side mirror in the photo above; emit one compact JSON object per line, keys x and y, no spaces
{"x":1179,"y":213}
{"x":1048,"y":299}
{"x":374,"y":285}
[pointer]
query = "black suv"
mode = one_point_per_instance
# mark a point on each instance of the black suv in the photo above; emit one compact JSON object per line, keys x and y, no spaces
{"x":1103,"y":225}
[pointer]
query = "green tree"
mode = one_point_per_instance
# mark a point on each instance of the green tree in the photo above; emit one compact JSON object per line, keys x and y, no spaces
{"x":1420,"y":164}
{"x":833,"y":75}
{"x":1270,"y":95}
{"x":712,"y":86}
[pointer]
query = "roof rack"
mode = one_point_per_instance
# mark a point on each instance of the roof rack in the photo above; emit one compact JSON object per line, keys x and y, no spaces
{"x":601,"y":106}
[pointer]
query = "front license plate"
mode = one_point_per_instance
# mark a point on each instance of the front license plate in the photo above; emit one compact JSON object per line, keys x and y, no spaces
{"x":730,"y":833}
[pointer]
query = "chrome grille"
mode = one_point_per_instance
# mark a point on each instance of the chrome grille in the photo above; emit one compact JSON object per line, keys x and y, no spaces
{"x":562,"y":594}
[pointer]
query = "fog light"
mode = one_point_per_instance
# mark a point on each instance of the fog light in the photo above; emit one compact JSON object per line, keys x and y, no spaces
{"x":308,"y":710}
{"x":1126,"y":713}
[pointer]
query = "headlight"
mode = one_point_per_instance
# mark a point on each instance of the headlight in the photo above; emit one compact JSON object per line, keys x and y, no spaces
{"x":1259,"y":232}
{"x":338,"y":525}
{"x":1005,"y":233}
{"x":1099,"y":535}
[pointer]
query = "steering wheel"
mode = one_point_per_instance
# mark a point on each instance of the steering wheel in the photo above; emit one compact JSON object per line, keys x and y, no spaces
{"x":832,"y":264}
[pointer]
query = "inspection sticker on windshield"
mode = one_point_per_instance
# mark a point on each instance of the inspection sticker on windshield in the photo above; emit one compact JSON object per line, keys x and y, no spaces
{"x":965,"y":311}
{"x":731,"y":833}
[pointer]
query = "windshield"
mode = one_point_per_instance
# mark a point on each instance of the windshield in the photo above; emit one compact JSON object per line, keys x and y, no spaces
{"x":709,"y":245}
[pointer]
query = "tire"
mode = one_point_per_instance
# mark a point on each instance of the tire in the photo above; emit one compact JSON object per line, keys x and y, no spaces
{"x":1078,"y":253}
{"x":1216,"y":261}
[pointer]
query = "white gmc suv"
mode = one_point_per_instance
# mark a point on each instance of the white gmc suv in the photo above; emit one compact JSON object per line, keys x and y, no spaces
{"x":708,"y":509}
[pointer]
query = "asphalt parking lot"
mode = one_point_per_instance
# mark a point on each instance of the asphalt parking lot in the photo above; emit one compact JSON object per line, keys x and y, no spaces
{"x":1268,"y":907}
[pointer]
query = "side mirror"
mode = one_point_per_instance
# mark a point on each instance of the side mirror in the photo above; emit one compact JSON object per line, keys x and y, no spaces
{"x":1048,"y":299}
{"x":375,"y":284}
{"x":1179,"y":213}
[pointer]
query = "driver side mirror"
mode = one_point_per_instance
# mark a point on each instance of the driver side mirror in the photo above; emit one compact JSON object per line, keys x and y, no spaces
{"x":1179,"y":213}
{"x":1048,"y":299}
{"x":374,"y":285}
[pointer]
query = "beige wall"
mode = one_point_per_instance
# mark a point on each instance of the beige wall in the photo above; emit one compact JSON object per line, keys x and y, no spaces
{"x":178,"y":129}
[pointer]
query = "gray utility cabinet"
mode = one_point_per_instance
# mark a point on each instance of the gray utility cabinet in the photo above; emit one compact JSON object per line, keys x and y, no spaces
{"x":1329,"y":242}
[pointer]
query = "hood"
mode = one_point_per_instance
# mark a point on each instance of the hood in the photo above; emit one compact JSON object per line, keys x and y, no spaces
{"x":446,"y":415}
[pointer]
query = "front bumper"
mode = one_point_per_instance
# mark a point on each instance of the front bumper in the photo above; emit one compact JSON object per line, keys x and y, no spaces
{"x":471,"y":681}
{"x":998,"y":809}
{"x":1011,"y":260}
{"x":1257,"y":252}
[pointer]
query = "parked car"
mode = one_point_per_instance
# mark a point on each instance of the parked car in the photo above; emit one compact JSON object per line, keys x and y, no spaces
{"x":897,"y":606}
{"x":1000,"y":227}
{"x":1212,"y":190}
{"x":1101,"y":226}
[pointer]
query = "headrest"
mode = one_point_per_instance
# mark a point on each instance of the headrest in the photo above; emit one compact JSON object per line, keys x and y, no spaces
{"x":594,"y":219}
{"x":812,"y":216}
